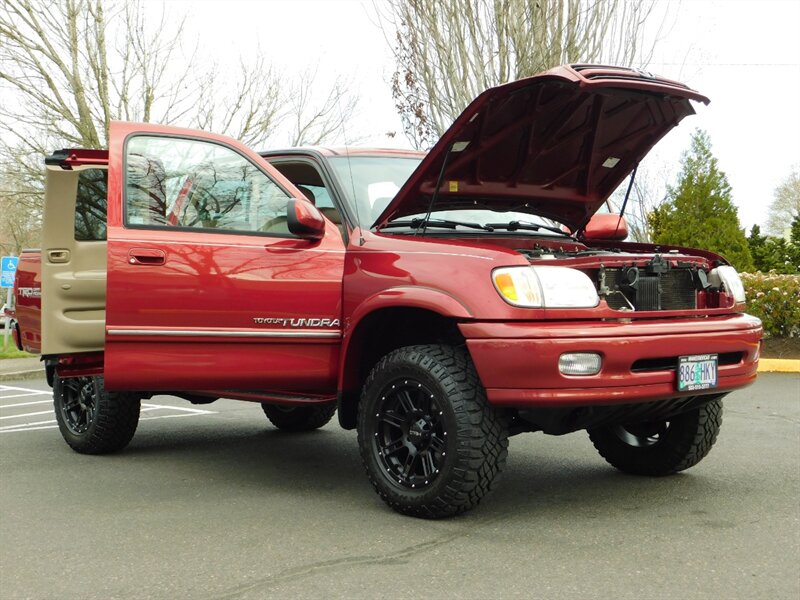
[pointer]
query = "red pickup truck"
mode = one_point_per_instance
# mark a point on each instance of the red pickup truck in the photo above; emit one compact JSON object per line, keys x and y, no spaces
{"x":440,"y":302}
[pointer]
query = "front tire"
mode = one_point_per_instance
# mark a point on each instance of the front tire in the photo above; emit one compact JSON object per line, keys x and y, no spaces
{"x":91,"y":419}
{"x":431,"y":443}
{"x":661,"y":447}
{"x":299,"y":418}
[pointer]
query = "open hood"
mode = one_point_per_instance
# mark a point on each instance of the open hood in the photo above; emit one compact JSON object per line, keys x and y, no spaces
{"x":556,"y":144}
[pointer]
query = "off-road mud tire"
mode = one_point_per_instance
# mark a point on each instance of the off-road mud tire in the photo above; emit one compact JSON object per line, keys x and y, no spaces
{"x":105,"y":421}
{"x":684,"y":440}
{"x":299,"y":418}
{"x":468,"y":437}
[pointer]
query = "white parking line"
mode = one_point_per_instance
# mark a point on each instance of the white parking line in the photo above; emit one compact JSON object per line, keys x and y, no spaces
{"x":7,"y":428}
{"x":195,"y":411}
{"x":4,"y":397}
{"x":26,"y":404}
{"x":33,"y":414}
{"x":171,"y":416}
{"x":51,"y":424}
{"x":46,"y":425}
{"x":3,"y":388}
{"x":30,"y":428}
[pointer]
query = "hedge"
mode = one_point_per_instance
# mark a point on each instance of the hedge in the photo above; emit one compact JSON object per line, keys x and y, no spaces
{"x":775,"y":299}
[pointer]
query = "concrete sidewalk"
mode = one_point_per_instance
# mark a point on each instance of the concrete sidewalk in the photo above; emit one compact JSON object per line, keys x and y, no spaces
{"x":12,"y":369}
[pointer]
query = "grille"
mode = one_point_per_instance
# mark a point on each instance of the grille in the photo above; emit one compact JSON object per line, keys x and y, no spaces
{"x":677,"y":290}
{"x":670,"y":363}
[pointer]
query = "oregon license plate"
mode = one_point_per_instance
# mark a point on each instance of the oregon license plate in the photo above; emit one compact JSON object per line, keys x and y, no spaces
{"x":697,"y":372}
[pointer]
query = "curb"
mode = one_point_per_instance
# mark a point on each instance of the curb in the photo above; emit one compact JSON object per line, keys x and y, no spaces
{"x":778,"y":365}
{"x":20,"y":375}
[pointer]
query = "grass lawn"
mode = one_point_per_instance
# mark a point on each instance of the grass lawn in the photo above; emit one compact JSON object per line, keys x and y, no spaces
{"x":12,"y":352}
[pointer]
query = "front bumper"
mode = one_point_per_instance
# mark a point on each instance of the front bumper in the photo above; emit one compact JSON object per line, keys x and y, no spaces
{"x":518,"y":361}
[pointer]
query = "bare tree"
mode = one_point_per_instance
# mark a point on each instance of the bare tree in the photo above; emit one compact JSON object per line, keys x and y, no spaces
{"x":313,"y":121}
{"x":785,"y":206}
{"x":448,"y":51}
{"x":70,"y":67}
{"x":246,"y":106}
{"x":62,"y":74}
{"x":20,"y":220}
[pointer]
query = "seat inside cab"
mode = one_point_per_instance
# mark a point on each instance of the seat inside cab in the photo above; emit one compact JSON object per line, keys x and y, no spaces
{"x":308,"y":180}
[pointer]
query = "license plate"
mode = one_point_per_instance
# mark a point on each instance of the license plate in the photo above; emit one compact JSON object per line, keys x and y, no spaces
{"x":697,"y":372}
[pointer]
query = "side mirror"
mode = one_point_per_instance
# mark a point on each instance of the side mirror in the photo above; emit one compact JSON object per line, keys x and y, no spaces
{"x":606,"y":226}
{"x":304,"y":220}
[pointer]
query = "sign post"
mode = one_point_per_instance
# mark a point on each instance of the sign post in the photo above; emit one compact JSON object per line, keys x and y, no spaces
{"x":8,"y":267}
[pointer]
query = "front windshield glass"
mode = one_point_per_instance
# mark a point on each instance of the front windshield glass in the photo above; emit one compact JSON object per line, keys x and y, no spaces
{"x":375,"y":180}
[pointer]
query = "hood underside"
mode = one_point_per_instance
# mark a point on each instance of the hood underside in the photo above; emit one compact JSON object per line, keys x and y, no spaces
{"x":555,"y":145}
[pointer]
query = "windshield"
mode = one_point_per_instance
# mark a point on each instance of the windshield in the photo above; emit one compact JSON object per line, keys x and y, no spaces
{"x":375,"y":180}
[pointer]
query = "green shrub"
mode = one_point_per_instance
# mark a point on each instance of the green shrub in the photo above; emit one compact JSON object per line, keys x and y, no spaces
{"x":775,"y":299}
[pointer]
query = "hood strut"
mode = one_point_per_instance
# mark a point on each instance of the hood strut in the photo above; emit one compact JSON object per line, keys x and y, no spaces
{"x":435,"y":194}
{"x":627,"y":195}
{"x":621,"y":211}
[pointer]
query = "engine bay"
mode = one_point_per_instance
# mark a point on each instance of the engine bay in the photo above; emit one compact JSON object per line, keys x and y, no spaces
{"x":635,"y":282}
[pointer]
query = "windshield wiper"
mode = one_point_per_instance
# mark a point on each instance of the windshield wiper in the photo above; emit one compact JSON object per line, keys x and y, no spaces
{"x":417,"y":223}
{"x":524,"y":225}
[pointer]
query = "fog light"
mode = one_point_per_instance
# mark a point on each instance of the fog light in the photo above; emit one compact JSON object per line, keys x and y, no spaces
{"x":580,"y":363}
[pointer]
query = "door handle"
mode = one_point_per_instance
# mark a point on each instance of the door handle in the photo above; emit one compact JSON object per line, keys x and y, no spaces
{"x":58,"y":256}
{"x":146,"y":256}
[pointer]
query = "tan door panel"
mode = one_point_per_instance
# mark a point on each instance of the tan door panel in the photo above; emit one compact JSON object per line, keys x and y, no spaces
{"x":73,"y":271}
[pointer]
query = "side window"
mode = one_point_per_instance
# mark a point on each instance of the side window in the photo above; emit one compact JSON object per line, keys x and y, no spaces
{"x":173,"y":182}
{"x":91,"y":203}
{"x":321,"y":197}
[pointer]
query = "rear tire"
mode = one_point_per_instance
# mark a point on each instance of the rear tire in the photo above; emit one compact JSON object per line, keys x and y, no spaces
{"x":431,"y":443}
{"x":91,"y":419}
{"x":662,"y":447}
{"x":299,"y":418}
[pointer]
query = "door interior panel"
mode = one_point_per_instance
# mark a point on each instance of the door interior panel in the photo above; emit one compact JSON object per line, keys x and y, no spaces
{"x":73,"y":270}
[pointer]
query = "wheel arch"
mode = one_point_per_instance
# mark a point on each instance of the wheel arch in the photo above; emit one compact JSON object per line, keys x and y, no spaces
{"x":387,"y":321}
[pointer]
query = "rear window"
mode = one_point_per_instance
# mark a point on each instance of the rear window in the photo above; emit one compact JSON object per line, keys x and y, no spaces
{"x":90,"y":205}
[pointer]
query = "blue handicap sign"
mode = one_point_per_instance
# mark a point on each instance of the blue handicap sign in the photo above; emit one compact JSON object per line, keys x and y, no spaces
{"x":9,"y":267}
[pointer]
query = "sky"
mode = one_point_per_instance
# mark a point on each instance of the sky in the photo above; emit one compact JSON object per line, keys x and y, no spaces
{"x":743,"y":54}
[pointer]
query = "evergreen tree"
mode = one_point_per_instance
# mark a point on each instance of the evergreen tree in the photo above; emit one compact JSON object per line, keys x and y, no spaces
{"x":699,"y":211}
{"x":762,"y":257}
{"x":794,"y":244}
{"x":795,"y":232}
{"x":773,"y":253}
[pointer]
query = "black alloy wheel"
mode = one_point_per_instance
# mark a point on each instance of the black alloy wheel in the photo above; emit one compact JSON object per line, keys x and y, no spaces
{"x":79,"y":404}
{"x":431,"y":443}
{"x":411,"y":437}
{"x":91,"y":419}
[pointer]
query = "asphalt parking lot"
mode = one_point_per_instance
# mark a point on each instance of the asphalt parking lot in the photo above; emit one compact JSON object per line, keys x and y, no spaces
{"x":211,"y":502}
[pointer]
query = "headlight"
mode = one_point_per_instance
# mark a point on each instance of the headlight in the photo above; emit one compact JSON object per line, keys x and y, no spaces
{"x":728,"y":279}
{"x":545,"y":287}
